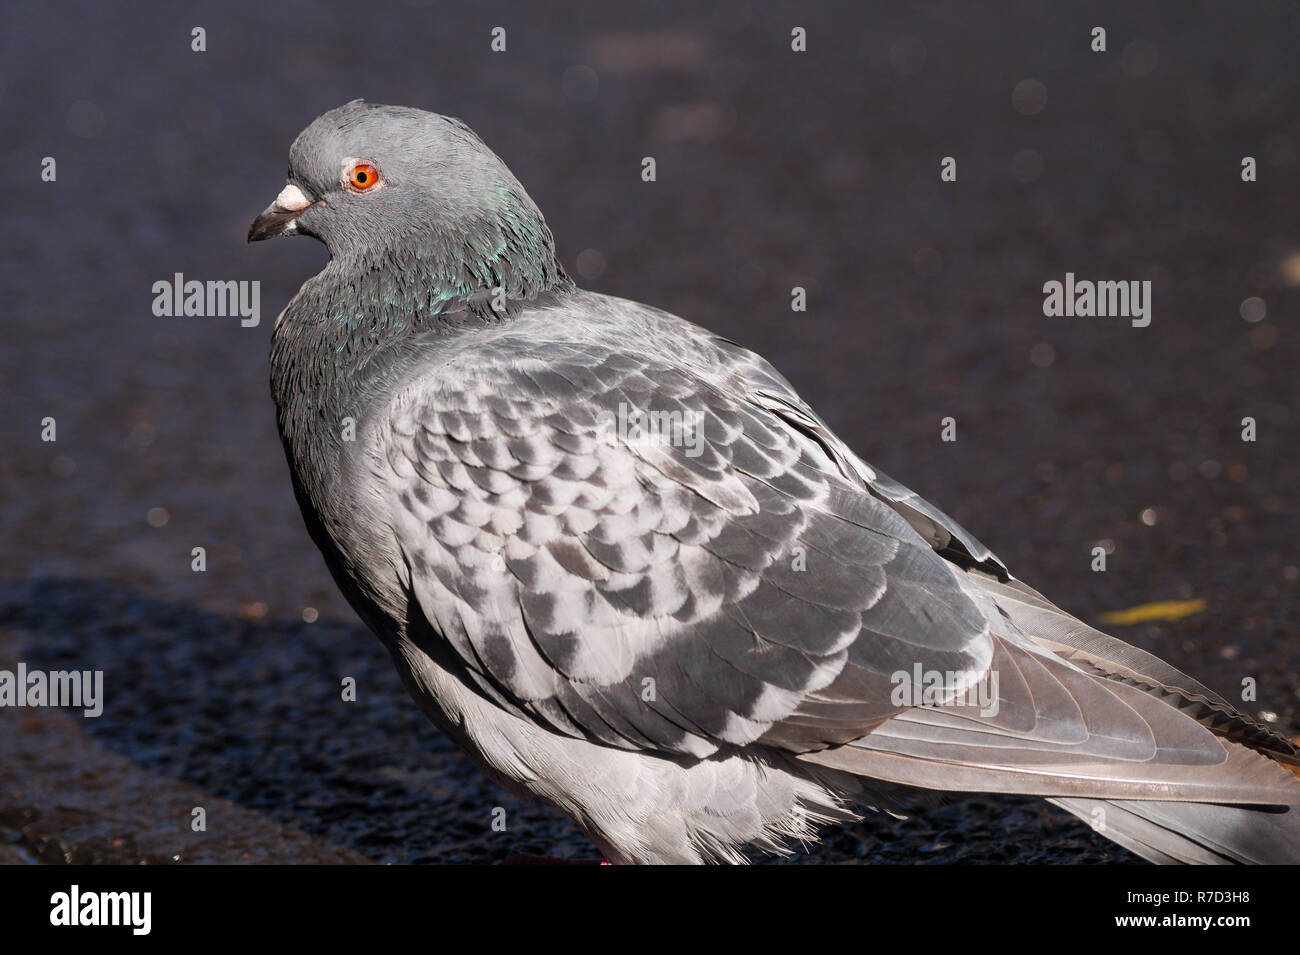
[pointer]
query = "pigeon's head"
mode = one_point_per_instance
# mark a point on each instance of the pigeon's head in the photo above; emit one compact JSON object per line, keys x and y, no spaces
{"x":371,"y":180}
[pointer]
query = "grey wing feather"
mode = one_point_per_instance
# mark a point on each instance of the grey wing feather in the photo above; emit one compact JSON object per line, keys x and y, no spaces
{"x":1063,"y":718}
{"x":771,"y":391}
{"x":653,"y":594}
{"x":1090,"y":649}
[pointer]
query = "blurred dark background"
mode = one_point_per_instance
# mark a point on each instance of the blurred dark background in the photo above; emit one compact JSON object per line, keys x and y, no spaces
{"x":775,"y":169}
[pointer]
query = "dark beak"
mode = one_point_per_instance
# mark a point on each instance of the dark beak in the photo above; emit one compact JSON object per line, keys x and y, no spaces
{"x":280,"y":217}
{"x":274,"y":221}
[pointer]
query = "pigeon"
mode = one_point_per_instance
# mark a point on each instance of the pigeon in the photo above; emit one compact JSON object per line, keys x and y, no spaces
{"x":621,"y":563}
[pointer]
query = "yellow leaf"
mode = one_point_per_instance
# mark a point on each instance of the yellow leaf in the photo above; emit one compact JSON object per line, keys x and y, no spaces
{"x":1145,"y":613}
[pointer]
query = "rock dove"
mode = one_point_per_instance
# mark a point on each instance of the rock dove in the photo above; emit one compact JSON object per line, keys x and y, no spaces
{"x":619,"y":561}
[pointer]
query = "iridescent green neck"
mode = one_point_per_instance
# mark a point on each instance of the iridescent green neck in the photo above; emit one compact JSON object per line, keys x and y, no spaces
{"x":477,"y":271}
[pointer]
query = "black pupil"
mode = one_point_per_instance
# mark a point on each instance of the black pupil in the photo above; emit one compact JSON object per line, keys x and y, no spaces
{"x":361,"y":176}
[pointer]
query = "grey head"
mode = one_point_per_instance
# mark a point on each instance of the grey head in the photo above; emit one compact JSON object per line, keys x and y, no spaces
{"x":391,"y":186}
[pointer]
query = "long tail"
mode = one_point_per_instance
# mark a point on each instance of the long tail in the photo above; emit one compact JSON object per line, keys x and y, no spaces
{"x":1195,"y":833}
{"x":1169,"y":832}
{"x":1151,"y":758}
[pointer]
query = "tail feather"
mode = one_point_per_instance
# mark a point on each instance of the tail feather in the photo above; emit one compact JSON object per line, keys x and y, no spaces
{"x":1093,"y":651}
{"x":1197,"y":833}
{"x":1153,"y":759}
{"x":1194,"y":833}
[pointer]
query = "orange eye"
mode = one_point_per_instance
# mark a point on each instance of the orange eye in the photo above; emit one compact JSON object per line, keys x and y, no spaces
{"x":363,"y":176}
